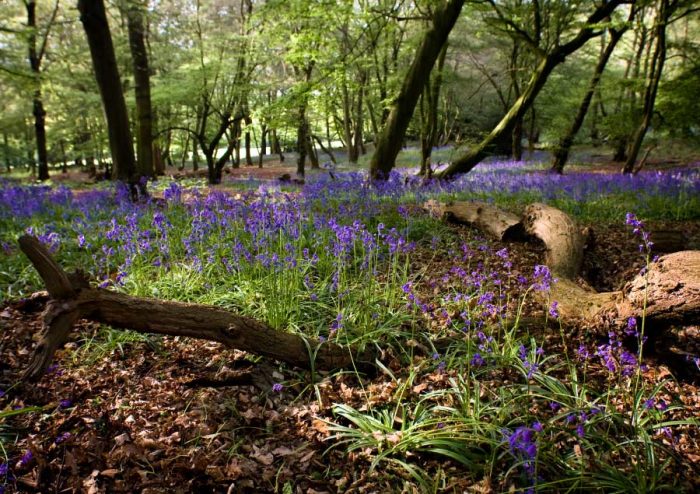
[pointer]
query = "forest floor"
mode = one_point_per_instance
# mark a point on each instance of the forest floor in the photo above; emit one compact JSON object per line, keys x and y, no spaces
{"x":150,"y":417}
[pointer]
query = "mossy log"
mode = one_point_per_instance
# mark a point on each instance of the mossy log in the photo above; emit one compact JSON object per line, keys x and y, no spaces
{"x":72,"y":298}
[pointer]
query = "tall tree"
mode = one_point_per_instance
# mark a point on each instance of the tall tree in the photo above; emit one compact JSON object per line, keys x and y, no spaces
{"x":36,"y":56}
{"x":663,"y":13}
{"x":549,"y":60}
{"x":104,"y":62}
{"x":389,"y":142}
{"x":135,"y":11}
{"x":561,"y":154}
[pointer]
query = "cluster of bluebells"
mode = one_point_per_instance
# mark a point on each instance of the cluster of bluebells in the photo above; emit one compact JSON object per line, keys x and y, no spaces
{"x":523,"y":445}
{"x":619,"y":361}
{"x":529,"y":359}
{"x":638,"y":229}
{"x":579,"y":420}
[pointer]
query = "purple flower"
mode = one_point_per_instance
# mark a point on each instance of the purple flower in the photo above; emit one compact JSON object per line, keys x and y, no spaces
{"x":65,"y":436}
{"x":662,"y":405}
{"x":554,"y":406}
{"x":277,"y":388}
{"x":26,"y":458}
{"x":2,"y":393}
{"x":580,"y":430}
{"x":543,"y":278}
{"x":538,"y":427}
{"x":65,"y":404}
{"x":553,"y":312}
{"x":477,"y":360}
{"x":4,"y":468}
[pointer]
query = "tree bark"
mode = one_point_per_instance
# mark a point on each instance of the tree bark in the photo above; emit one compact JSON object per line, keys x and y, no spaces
{"x":561,"y":155}
{"x":389,"y":142}
{"x":549,"y":62}
{"x":561,"y":236}
{"x":6,"y":146}
{"x":73,"y":299}
{"x":142,"y":89}
{"x":500,"y":224}
{"x":248,"y":159}
{"x":429,"y":114}
{"x":652,"y":86}
{"x":104,"y":62}
{"x":668,"y":294}
{"x":35,"y":59}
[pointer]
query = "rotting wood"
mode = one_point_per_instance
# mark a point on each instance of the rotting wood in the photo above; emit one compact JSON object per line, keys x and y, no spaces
{"x":72,"y":299}
{"x":668,"y":294}
{"x":560,"y":235}
{"x":500,"y":224}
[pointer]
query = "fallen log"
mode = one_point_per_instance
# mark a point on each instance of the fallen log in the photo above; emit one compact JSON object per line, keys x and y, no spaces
{"x":560,"y":235}
{"x":72,"y":299}
{"x":669,"y":293}
{"x":500,"y":224}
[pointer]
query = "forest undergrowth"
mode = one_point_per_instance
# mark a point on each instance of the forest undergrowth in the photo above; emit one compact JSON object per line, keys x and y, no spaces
{"x":518,"y":402}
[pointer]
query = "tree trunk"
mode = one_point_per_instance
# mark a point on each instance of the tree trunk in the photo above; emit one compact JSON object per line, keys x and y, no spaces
{"x":668,"y":294}
{"x":326,"y":150}
{"x":561,"y":154}
{"x":347,"y":125}
{"x":64,"y":158}
{"x":561,"y":236}
{"x":275,"y":147}
{"x":73,"y":299}
{"x":263,"y":143}
{"x":301,"y":141}
{"x":652,"y":86}
{"x":142,"y":89}
{"x":237,"y":145}
{"x":389,"y":142}
{"x":37,"y":102}
{"x":94,"y":20}
{"x":311,"y":150}
{"x":185,"y":148}
{"x":501,"y":225}
{"x":429,"y":129}
{"x":549,"y":62}
{"x":248,"y":159}
{"x":6,"y":146}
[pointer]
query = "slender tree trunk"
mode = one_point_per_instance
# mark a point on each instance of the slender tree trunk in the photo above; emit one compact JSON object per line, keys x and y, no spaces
{"x":237,"y":146}
{"x":325,"y":149}
{"x":31,"y":163}
{"x":94,"y":20}
{"x":628,"y":95}
{"x":195,"y":157}
{"x":652,"y":86}
{"x":311,"y":150}
{"x":37,"y":103}
{"x":142,"y":88}
{"x":64,"y":158}
{"x":302,"y":147}
{"x":248,"y":159}
{"x":347,"y":125}
{"x":185,"y":147}
{"x":389,"y":142}
{"x":562,"y":153}
{"x":6,"y":146}
{"x":471,"y":158}
{"x":516,"y":137}
{"x":358,"y":134}
{"x":533,"y":134}
{"x":263,"y":144}
{"x":430,"y":128}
